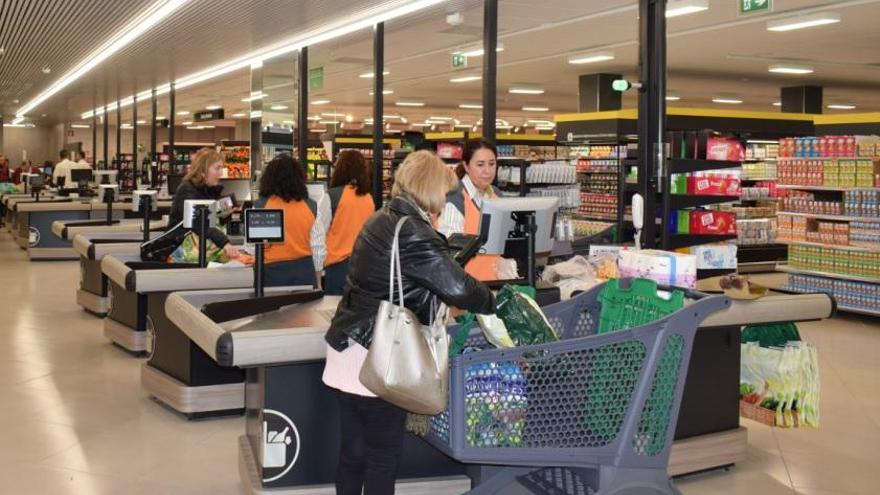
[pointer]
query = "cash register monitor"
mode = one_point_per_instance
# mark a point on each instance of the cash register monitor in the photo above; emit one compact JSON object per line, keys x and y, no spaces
{"x":80,"y":176}
{"x":499,"y":213}
{"x":263,"y":226}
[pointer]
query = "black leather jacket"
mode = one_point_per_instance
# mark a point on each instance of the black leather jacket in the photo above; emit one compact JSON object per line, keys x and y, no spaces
{"x":428,"y":271}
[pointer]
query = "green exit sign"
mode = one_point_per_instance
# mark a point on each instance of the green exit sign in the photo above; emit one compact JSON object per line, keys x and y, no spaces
{"x":316,"y":78}
{"x":753,"y":6}
{"x":459,"y":61}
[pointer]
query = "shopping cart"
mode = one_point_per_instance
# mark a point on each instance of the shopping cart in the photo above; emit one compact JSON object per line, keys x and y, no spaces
{"x":593,"y":413}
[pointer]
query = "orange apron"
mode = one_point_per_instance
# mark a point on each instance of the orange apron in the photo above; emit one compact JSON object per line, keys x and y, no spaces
{"x":483,"y":266}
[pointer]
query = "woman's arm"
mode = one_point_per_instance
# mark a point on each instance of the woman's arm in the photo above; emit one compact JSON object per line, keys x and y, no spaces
{"x":318,"y":235}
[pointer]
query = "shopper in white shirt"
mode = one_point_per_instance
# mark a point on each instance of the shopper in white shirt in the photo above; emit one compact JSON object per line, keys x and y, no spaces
{"x":82,"y":160}
{"x":63,"y":168}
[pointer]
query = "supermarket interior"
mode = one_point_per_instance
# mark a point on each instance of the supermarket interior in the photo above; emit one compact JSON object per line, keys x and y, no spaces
{"x":634,"y":247}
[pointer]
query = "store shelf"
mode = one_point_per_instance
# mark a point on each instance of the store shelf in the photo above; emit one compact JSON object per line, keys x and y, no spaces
{"x":675,"y":241}
{"x":839,"y":276}
{"x":824,"y":188}
{"x":845,"y":247}
{"x":681,"y":201}
{"x":758,"y":179}
{"x":840,"y":307}
{"x":689,"y":165}
{"x":842,"y":218}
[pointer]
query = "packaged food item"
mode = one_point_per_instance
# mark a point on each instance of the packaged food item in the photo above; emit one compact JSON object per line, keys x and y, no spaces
{"x":712,"y":222}
{"x":664,"y":267}
{"x":715,"y":256}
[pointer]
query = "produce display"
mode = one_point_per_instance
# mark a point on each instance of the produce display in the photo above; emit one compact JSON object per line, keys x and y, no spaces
{"x":236,"y":161}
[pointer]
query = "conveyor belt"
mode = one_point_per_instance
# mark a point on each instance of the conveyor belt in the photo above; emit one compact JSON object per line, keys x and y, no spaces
{"x":166,"y":278}
{"x":67,"y":229}
{"x":296,"y":333}
{"x":97,"y":245}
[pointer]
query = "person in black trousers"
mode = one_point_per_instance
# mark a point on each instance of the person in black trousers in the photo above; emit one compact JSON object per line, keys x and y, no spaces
{"x":372,"y":429}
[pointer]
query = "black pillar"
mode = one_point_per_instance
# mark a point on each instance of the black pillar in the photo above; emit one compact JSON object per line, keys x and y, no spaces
{"x":134,"y":142}
{"x":652,"y":110}
{"x":596,"y":93}
{"x":256,"y":160}
{"x":490,"y":68}
{"x":171,"y":115}
{"x":801,"y":99}
{"x":378,"y":110}
{"x":119,"y":135}
{"x":302,"y":121}
{"x":94,"y":140}
{"x":154,"y":109}
{"x":106,"y":142}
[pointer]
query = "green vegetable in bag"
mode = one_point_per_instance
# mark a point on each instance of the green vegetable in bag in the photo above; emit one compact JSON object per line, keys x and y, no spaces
{"x":188,"y":251}
{"x":525,"y":321}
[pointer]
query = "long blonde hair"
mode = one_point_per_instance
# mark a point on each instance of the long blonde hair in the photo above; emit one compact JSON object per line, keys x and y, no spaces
{"x":200,"y":165}
{"x":426,"y":179}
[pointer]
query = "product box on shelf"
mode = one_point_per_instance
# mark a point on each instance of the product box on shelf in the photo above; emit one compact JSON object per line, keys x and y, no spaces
{"x":727,"y":149}
{"x":715,"y":184}
{"x":715,"y":256}
{"x":712,"y":222}
{"x":664,"y":267}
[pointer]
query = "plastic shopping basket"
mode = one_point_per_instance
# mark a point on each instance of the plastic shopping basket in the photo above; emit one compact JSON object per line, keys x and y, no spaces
{"x":589,"y":414}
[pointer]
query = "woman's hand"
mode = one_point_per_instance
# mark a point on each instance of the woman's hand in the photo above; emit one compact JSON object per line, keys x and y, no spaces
{"x":231,"y":251}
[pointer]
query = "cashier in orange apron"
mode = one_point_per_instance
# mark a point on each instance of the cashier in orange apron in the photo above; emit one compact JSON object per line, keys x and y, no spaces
{"x":462,"y":211}
{"x":351,"y":206}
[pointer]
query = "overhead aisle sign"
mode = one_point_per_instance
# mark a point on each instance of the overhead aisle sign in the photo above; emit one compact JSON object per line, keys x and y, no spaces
{"x":754,"y":6}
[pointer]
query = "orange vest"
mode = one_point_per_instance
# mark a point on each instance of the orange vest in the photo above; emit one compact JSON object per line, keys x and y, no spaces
{"x":483,"y":266}
{"x":298,"y":221}
{"x":348,"y":220}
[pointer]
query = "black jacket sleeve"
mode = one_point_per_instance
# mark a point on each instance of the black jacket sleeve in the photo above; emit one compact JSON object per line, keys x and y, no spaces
{"x":185,"y":192}
{"x":426,"y":261}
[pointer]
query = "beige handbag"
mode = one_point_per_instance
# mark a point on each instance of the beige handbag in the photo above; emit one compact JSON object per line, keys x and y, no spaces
{"x":407,"y":364}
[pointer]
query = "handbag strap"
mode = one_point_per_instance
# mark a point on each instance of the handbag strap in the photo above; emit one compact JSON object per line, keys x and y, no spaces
{"x":395,"y":263}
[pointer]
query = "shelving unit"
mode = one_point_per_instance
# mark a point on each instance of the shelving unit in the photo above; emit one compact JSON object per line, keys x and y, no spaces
{"x":126,"y":172}
{"x":364,"y":144}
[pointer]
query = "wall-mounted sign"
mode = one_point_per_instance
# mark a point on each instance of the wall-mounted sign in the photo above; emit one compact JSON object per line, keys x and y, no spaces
{"x":316,"y":78}
{"x":753,"y":6}
{"x":459,"y":61}
{"x":208,"y":115}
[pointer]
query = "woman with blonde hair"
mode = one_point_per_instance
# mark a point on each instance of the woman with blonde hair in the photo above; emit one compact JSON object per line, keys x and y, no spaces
{"x":202,"y":181}
{"x":372,"y":429}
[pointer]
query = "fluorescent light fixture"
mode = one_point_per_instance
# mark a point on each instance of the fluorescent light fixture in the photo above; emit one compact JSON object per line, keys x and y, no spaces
{"x":314,"y":118}
{"x":477,"y":50}
{"x":504,"y":126}
{"x":213,"y":107}
{"x":590,"y":58}
{"x":727,"y":100}
{"x":544,"y":127}
{"x":333,"y":114}
{"x":439,"y":118}
{"x":27,"y":126}
{"x":536,"y":109}
{"x":672,"y":97}
{"x":790,"y":69}
{"x":436,"y":122}
{"x":838,"y":106}
{"x":410,"y":103}
{"x":777,"y":103}
{"x":141,"y":122}
{"x":540,"y":122}
{"x":239,"y":115}
{"x":329,"y":122}
{"x":471,"y":106}
{"x":762,"y":141}
{"x":320,"y":102}
{"x":349,"y":118}
{"x":125,"y":126}
{"x":385,"y":92}
{"x":183,"y":112}
{"x":467,"y":78}
{"x":419,"y":124}
{"x":803,"y":21}
{"x":390,"y":116}
{"x":278,"y":107}
{"x":160,"y":117}
{"x":140,"y":24}
{"x":288,"y":122}
{"x":257,"y":114}
{"x":318,"y":131}
{"x":526,"y":89}
{"x":462,"y":126}
{"x":684,"y":7}
{"x":188,"y":122}
{"x":403,"y":120}
{"x":194,"y":127}
{"x":369,"y":75}
{"x":80,"y":126}
{"x":254,"y":96}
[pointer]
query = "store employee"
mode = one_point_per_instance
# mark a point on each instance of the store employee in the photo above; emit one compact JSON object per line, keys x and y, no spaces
{"x":462,"y":211}
{"x":302,"y":254}
{"x":351,"y":205}
{"x":63,"y":168}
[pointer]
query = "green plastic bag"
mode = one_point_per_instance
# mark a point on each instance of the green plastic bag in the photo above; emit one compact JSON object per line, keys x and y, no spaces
{"x":525,"y":321}
{"x":188,"y":251}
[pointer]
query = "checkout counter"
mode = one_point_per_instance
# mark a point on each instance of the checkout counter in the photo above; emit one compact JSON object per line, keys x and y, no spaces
{"x":283,"y":351}
{"x":178,"y":373}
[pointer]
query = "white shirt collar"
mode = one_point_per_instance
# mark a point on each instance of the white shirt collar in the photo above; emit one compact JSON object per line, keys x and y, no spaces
{"x":474,"y":193}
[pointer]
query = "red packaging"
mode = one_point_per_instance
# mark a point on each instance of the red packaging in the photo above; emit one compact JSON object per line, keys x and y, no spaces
{"x":719,"y":148}
{"x":713,"y":222}
{"x":715,"y":185}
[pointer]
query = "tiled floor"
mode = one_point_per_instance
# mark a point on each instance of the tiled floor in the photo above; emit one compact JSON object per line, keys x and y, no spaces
{"x":73,"y":418}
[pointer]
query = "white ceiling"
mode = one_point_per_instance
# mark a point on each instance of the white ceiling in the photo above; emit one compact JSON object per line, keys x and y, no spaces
{"x":710,"y":53}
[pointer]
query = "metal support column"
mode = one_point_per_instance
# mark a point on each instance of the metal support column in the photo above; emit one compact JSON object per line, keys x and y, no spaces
{"x":256,"y":120}
{"x":171,"y":115}
{"x":490,"y":68}
{"x":652,"y":111}
{"x":118,"y":137}
{"x":302,"y":120}
{"x":134,"y":143}
{"x":154,"y":157}
{"x":106,"y":142}
{"x":94,"y":140}
{"x":378,"y":110}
